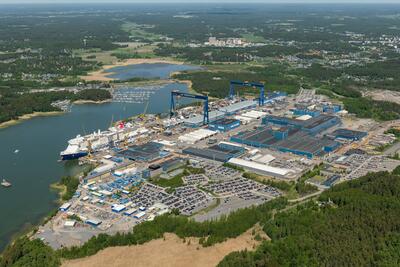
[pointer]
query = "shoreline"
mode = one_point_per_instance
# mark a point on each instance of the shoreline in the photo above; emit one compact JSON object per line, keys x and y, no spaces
{"x":100,"y":75}
{"x":189,"y":84}
{"x":80,"y":102}
{"x":60,"y":189}
{"x":36,"y":114}
{"x":29,"y":116}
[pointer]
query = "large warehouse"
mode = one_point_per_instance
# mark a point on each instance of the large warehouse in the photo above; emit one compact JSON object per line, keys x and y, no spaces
{"x":197,"y":121}
{"x":217,"y":152}
{"x":348,"y":134}
{"x":286,"y":140}
{"x":145,"y":152}
{"x":263,"y":169}
{"x":313,"y":125}
{"x":224,"y":125}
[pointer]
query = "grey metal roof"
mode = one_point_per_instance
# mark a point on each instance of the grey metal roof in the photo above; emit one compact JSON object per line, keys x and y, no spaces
{"x":238,"y":106}
{"x":216,"y":114}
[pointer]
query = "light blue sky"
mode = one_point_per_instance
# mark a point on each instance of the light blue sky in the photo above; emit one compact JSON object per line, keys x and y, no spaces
{"x":199,"y":1}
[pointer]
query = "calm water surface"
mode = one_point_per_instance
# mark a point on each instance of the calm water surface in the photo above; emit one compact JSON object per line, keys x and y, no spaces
{"x":154,"y":70}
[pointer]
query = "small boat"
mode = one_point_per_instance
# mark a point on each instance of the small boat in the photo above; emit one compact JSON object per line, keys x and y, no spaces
{"x":5,"y":183}
{"x":16,"y":151}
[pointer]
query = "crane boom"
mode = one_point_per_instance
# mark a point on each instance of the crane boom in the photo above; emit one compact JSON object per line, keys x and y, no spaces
{"x":248,"y":84}
{"x":193,"y":96}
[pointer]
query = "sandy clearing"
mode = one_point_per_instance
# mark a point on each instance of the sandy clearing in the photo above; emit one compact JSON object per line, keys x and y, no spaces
{"x":169,"y":252}
{"x":384,"y":95}
{"x":100,"y":75}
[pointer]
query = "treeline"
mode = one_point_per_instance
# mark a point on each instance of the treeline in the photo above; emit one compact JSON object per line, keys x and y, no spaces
{"x":208,"y":55}
{"x":60,"y":33}
{"x":33,"y":253}
{"x":355,"y":224}
{"x":299,"y":188}
{"x":14,"y":105}
{"x":368,"y":108}
{"x":346,"y":90}
{"x":217,"y":83}
{"x":210,"y":232}
{"x":43,"y":50}
{"x":92,"y":95}
{"x":71,"y":184}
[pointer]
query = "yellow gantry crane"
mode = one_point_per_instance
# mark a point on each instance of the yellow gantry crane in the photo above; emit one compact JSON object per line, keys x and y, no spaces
{"x":143,"y":115}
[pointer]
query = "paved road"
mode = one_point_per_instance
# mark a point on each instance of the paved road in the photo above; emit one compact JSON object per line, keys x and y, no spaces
{"x":301,"y":199}
{"x":395,"y":148}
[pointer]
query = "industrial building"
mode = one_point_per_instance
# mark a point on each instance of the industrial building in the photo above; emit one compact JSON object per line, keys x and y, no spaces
{"x":348,"y":134}
{"x":312,"y":126}
{"x":306,"y":145}
{"x":118,"y":208}
{"x":239,"y":106}
{"x":65,"y":206}
{"x":222,"y":152}
{"x":301,"y":112}
{"x":172,"y":164}
{"x":145,"y":152}
{"x":263,"y":159}
{"x":224,"y":125}
{"x":93,"y":222}
{"x":262,"y":168}
{"x":331,"y":108}
{"x":286,"y":139}
{"x":254,"y":114}
{"x":196,"y":136}
{"x":197,"y":121}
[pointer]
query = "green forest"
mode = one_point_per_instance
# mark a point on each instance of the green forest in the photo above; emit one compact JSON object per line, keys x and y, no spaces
{"x":298,"y":50}
{"x":353,"y":224}
{"x":14,"y":105}
{"x":216,"y":83}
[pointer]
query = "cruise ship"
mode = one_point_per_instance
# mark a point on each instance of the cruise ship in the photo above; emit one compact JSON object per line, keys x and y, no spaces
{"x":76,"y":149}
{"x":81,"y":145}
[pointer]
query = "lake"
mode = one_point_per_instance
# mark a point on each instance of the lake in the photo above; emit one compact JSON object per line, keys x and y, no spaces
{"x":147,"y":70}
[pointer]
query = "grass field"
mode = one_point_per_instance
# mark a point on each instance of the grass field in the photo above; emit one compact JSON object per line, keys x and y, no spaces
{"x":171,"y":251}
{"x":139,"y":31}
{"x":250,"y":37}
{"x":174,"y":182}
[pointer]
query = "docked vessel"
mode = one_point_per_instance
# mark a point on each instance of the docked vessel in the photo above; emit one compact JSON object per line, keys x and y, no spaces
{"x":80,"y":146}
{"x":76,"y":149}
{"x":5,"y":183}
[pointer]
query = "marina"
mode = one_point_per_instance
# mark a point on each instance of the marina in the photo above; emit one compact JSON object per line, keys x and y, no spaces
{"x":139,"y":95}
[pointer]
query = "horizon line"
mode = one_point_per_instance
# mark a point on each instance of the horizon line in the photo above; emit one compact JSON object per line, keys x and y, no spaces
{"x":342,"y":2}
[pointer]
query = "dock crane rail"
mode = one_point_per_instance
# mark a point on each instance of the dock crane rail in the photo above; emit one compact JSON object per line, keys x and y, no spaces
{"x":248,"y":84}
{"x":174,"y":94}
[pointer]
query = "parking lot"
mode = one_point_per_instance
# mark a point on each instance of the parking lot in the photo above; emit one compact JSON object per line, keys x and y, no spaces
{"x":215,"y":171}
{"x":195,"y":179}
{"x":243,"y":188}
{"x":357,"y":165}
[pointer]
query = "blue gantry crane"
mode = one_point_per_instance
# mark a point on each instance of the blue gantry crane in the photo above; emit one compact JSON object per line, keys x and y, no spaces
{"x":174,"y":94}
{"x":249,"y":84}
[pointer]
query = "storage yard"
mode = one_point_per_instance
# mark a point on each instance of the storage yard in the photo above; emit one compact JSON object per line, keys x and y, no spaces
{"x":150,"y":166}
